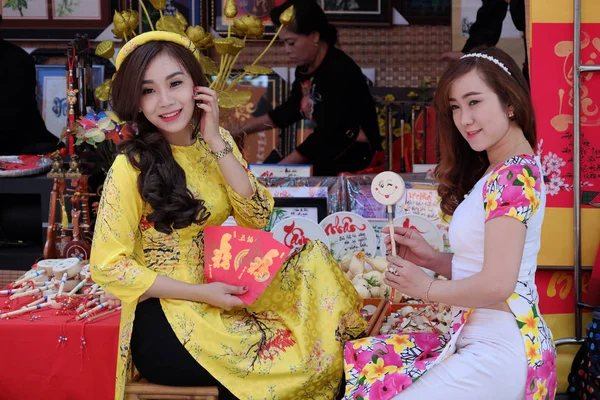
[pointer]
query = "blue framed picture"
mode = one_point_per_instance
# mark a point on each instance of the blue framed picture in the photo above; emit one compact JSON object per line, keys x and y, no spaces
{"x":52,"y":94}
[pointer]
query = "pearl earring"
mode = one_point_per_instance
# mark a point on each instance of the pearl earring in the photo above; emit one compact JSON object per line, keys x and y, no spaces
{"x":140,"y":110}
{"x":316,"y":44}
{"x":511,"y":114}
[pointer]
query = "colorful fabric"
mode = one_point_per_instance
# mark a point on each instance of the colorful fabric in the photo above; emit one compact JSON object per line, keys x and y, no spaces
{"x":294,"y":331}
{"x":584,"y":379}
{"x":380,"y":367}
{"x":376,"y":370}
{"x":514,"y":190}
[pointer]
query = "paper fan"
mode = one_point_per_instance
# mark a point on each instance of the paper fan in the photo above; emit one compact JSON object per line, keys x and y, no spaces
{"x":242,"y":257}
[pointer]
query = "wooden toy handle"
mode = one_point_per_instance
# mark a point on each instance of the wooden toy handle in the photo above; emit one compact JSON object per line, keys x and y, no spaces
{"x":391,"y":226}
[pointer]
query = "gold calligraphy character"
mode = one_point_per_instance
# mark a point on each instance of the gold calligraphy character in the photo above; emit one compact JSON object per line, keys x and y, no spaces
{"x":259,"y":268}
{"x":222,"y":256}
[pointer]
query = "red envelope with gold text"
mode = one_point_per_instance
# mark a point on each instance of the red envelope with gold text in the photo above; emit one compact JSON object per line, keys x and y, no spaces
{"x":242,"y":257}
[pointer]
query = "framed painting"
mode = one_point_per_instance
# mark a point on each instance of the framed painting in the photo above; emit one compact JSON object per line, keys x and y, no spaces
{"x":313,"y":208}
{"x":55,"y":19}
{"x":52,"y":96}
{"x":426,"y":12}
{"x":194,"y":12}
{"x":268,"y":91}
{"x":362,"y":12}
{"x":259,"y":8}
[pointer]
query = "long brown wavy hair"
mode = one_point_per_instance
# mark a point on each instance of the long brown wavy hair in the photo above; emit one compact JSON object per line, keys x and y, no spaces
{"x":161,"y":181}
{"x":460,"y":166}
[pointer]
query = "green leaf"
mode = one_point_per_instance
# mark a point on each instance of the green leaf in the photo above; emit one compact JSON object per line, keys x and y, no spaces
{"x":529,"y":171}
{"x":359,"y":397}
{"x":383,"y":353}
{"x":375,"y":358}
{"x":521,"y":324}
{"x":510,"y":175}
{"x":532,"y":386}
{"x":362,"y":380}
{"x":535,"y":313}
{"x":517,"y":182}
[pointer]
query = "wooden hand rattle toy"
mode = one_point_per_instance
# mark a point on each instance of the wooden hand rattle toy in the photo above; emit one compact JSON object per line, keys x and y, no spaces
{"x":388,"y":188}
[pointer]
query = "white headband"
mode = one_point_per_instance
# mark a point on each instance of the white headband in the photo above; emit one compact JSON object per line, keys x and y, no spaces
{"x":490,"y":58}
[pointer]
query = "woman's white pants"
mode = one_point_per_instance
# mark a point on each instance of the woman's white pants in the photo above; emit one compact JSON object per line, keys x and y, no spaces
{"x":489,"y":363}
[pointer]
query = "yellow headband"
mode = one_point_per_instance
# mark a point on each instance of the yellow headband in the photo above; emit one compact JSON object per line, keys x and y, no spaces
{"x":153,"y":36}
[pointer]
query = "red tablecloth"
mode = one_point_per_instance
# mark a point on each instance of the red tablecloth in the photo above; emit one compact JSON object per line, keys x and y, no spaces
{"x":35,"y":366}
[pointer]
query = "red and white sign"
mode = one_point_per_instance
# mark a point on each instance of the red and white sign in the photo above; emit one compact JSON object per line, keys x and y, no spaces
{"x":349,"y":233}
{"x":295,"y":232}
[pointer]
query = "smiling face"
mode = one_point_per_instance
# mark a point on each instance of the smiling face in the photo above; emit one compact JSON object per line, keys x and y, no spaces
{"x":478,"y":114}
{"x":387,"y":188}
{"x":300,"y":49}
{"x":166,"y":98}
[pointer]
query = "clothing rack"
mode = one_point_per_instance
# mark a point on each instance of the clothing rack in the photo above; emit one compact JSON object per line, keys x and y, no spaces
{"x":578,"y":68}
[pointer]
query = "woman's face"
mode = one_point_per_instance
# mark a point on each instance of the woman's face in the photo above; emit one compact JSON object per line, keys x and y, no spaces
{"x":477,"y":112}
{"x":300,"y":49}
{"x":167,"y":97}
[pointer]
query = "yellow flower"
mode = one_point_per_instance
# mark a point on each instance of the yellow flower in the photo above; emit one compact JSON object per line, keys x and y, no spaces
{"x":249,"y":26}
{"x":125,"y":22}
{"x":541,"y":392}
{"x":513,"y":213}
{"x":361,"y":342}
{"x":492,"y":204}
{"x":400,"y":343}
{"x":389,"y":97}
{"x":230,"y":9}
{"x":199,"y":36}
{"x":493,"y":177}
{"x":158,"y":4}
{"x":106,"y":49}
{"x":182,"y":20}
{"x":171,"y":24}
{"x":287,"y":17}
{"x":134,"y":20}
{"x":513,"y":297}
{"x":348,"y":368}
{"x":528,"y":180}
{"x":532,"y":350}
{"x":373,"y":372}
{"x":533,"y":199}
{"x":531,"y":323}
{"x":412,"y":94}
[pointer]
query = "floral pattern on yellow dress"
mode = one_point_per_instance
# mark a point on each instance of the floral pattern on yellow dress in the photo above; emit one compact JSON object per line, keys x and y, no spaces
{"x":284,"y":333}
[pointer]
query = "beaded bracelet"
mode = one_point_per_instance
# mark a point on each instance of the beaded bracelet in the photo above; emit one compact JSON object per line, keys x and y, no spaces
{"x":427,"y":293}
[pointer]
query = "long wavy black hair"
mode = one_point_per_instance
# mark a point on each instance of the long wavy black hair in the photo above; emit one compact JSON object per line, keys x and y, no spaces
{"x":161,"y":182}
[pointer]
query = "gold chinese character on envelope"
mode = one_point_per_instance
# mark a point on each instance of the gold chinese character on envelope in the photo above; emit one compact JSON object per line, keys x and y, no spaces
{"x":242,"y":257}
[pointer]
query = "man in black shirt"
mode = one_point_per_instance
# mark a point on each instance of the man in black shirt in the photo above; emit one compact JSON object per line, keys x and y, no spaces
{"x":487,"y":28}
{"x":22,"y":129}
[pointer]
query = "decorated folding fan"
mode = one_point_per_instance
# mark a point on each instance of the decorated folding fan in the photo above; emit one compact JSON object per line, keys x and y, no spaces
{"x":242,"y":257}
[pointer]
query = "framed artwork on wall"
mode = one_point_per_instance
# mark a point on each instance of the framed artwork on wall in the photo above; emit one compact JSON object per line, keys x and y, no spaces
{"x":426,"y":12}
{"x":259,"y":8}
{"x":361,"y":12}
{"x":52,"y":95}
{"x":55,"y":19}
{"x":313,"y":208}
